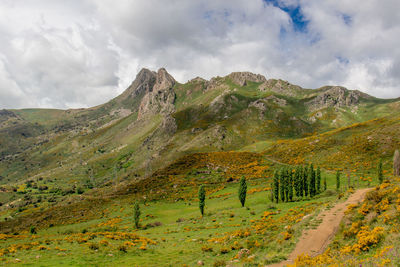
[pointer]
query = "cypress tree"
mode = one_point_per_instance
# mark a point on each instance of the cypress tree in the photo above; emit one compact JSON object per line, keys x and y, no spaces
{"x":271,"y":194}
{"x":324,"y":183}
{"x":242,"y":190}
{"x":305,"y":180}
{"x":282,"y":184}
{"x":311,"y":178}
{"x":136,"y":214}
{"x":276,"y":186}
{"x":380,"y":172}
{"x":287,"y":184}
{"x":290,"y":185}
{"x":318,"y":178}
{"x":297,"y":182}
{"x":202,"y":199}
{"x":301,"y":181}
{"x":337,"y":180}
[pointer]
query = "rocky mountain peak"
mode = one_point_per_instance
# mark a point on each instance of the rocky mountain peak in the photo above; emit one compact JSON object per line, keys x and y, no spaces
{"x":240,"y":78}
{"x":160,"y":98}
{"x":335,"y":96}
{"x":163,"y":80}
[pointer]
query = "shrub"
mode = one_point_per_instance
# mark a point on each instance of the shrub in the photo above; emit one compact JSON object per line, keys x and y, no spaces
{"x":122,"y":248}
{"x":219,"y":263}
{"x":33,"y":230}
{"x":93,"y":246}
{"x":206,"y":249}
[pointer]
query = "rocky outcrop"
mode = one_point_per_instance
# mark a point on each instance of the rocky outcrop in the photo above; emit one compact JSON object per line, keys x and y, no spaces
{"x":280,"y":87}
{"x":142,"y":84}
{"x":160,"y":98}
{"x":335,"y":96}
{"x":241,"y":78}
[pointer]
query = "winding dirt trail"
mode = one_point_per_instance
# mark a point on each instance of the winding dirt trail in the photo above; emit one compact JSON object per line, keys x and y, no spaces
{"x":314,"y":241}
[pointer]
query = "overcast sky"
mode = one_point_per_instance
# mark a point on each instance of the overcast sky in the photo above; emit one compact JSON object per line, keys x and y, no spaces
{"x":80,"y":53}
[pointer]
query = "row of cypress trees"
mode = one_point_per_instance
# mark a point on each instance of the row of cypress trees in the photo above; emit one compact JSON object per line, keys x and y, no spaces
{"x":304,"y":181}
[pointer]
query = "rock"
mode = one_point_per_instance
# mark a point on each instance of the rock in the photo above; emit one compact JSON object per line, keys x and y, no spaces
{"x":335,"y":96}
{"x":169,"y":125}
{"x":161,"y":98}
{"x":196,"y":130}
{"x":241,"y":78}
{"x":276,"y":100}
{"x":197,"y":80}
{"x":243,"y":252}
{"x":142,"y":84}
{"x":280,"y":87}
{"x":259,"y":104}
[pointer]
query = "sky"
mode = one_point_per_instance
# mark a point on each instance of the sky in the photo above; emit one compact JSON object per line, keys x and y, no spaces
{"x":81,"y":53}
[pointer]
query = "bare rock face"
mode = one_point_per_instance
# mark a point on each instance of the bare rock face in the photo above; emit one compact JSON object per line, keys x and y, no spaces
{"x":161,"y":98}
{"x":280,"y":87}
{"x":336,"y":96}
{"x":143,"y":83}
{"x":241,"y":78}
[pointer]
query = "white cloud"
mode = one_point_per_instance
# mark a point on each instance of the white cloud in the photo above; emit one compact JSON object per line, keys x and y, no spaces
{"x":82,"y":53}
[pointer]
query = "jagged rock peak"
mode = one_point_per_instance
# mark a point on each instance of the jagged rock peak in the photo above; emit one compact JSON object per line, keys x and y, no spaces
{"x":240,"y":78}
{"x":143,"y":83}
{"x":163,"y":80}
{"x":336,"y":96}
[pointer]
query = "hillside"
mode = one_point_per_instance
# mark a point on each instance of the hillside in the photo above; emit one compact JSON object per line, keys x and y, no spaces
{"x":74,"y":174}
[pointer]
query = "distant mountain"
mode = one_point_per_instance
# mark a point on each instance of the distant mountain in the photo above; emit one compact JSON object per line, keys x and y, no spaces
{"x":157,"y":120}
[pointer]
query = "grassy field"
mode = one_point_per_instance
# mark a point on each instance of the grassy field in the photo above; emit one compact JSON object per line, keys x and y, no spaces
{"x":174,"y":234}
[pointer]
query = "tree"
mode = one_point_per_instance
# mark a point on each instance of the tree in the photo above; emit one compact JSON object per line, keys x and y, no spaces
{"x":242,"y":190}
{"x":325,"y":184}
{"x":396,"y":163}
{"x":202,"y":198}
{"x":318,"y":178}
{"x":276,"y":186}
{"x":297,"y":181}
{"x":301,"y":182}
{"x":287,"y":178}
{"x":282,"y":184}
{"x":305,"y":180}
{"x":337,"y":180}
{"x":136,"y":214}
{"x":380,"y":172}
{"x":290,"y":181}
{"x":311,"y":177}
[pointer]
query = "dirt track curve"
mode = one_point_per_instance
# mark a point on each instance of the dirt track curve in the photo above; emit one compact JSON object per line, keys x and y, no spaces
{"x":315,"y":241}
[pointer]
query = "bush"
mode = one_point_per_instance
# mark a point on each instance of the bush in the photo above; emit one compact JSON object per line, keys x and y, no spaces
{"x":219,"y":263}
{"x":33,"y":230}
{"x":122,"y":248}
{"x":93,"y":246}
{"x":206,"y":249}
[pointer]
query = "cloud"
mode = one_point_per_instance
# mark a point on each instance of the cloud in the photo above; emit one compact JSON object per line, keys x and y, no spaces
{"x":83,"y":53}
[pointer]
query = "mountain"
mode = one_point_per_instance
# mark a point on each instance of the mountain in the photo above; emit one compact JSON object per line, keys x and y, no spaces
{"x":157,"y":120}
{"x":160,"y":139}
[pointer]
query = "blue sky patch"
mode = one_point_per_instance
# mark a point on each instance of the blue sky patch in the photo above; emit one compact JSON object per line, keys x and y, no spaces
{"x":300,"y":23}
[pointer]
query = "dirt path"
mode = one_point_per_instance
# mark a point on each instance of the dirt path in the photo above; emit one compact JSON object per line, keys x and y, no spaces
{"x":315,"y":241}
